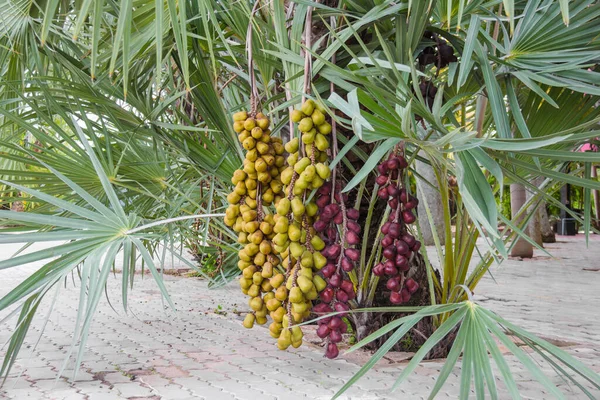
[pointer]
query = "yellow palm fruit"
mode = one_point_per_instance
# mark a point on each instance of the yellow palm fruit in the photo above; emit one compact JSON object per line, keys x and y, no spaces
{"x":309,"y":137}
{"x":265,"y":247}
{"x":266,"y":286}
{"x":306,"y":259}
{"x":233,"y":198}
{"x":274,"y":174}
{"x":269,"y":159}
{"x":265,"y":227}
{"x":312,"y":294}
{"x":252,"y":194}
{"x":292,"y":145}
{"x":261,"y":320}
{"x":264,"y":177}
{"x":243,"y":135}
{"x":253,"y":291}
{"x":311,"y":209}
{"x":256,"y":132}
{"x":277,"y":280}
{"x":263,"y":123}
{"x":305,"y":124}
{"x":238,"y":126}
{"x":229,"y":221}
{"x":294,"y":232}
{"x":319,"y":260}
{"x":302,"y":164}
{"x":308,"y":107}
{"x":318,"y":117}
{"x":281,"y":293}
{"x":245,"y":283}
{"x":243,"y":255}
{"x":278,"y":147}
{"x":292,"y":159}
{"x":249,"y":321}
{"x":296,"y":295}
{"x":248,"y":272}
{"x":242,"y":238}
{"x":250,"y":184}
{"x":278,"y":314}
{"x":262,"y":147}
{"x":249,"y":215}
{"x":307,"y":272}
{"x":285,"y":339}
{"x":321,"y":142}
{"x":317,"y":182}
{"x":267,"y":270}
{"x":286,"y":175}
{"x":265,"y":138}
{"x":281,"y":226}
{"x":297,"y":207}
{"x":299,"y":308}
{"x":319,"y":283}
{"x":240,"y":116}
{"x":324,"y":128}
{"x":317,"y":243}
{"x":273,"y":304}
{"x":255,"y":303}
{"x":232,"y":211}
{"x":268,"y":196}
{"x":280,"y":239}
{"x":252,"y":155}
{"x":251,"y":250}
{"x":304,"y":284}
{"x":249,"y":124}
{"x":240,"y":188}
{"x":256,"y":237}
{"x":249,"y":143}
{"x":238,"y":176}
{"x":309,"y":173}
{"x":249,"y":168}
{"x":257,"y":278}
{"x":276,"y":186}
{"x":275,"y":329}
{"x":296,"y":115}
{"x":323,"y":170}
{"x":259,"y":259}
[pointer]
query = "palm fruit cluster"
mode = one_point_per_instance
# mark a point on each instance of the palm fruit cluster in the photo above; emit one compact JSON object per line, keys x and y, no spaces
{"x":441,"y":54}
{"x":397,"y":243}
{"x":257,"y":185}
{"x":295,"y":239}
{"x":338,"y":227}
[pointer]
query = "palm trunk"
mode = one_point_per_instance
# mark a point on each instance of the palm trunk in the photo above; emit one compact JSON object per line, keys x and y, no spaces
{"x":430,"y":195}
{"x":534,"y":228}
{"x":518,"y":197}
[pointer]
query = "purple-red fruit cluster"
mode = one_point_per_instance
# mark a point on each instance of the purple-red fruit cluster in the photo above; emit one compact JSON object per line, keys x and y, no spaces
{"x":341,"y":258}
{"x":398,"y":245}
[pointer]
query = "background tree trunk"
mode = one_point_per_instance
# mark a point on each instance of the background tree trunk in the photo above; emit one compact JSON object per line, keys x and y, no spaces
{"x":434,"y":202}
{"x":518,"y":197}
{"x":548,"y":235}
{"x":534,"y":228}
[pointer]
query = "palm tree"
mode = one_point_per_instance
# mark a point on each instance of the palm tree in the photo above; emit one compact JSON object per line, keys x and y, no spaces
{"x":128,"y":104}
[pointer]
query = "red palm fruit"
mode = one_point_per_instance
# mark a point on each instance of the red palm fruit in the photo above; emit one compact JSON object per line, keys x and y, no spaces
{"x":347,"y":287}
{"x":411,"y":285}
{"x":342,"y":296}
{"x":408,"y":217}
{"x":387,"y":240}
{"x":333,"y":208}
{"x":402,"y":163}
{"x":409,"y":205}
{"x":326,"y":214}
{"x":405,"y":295}
{"x":386,"y":228}
{"x":382,"y":168}
{"x":409,"y":239}
{"x":416,"y":246}
{"x":353,"y":213}
{"x":353,"y":226}
{"x":393,"y":203}
{"x":334,"y":251}
{"x":347,"y":265}
{"x":325,"y":189}
{"x":401,"y":247}
{"x":389,"y":264}
{"x":390,"y":270}
{"x":338,"y":219}
{"x":395,"y":298}
{"x":320,"y":225}
{"x":340,"y":198}
{"x":395,"y":230}
{"x":328,"y":270}
{"x":389,"y":252}
{"x":327,"y":295}
{"x":341,"y":307}
{"x":392,"y":284}
{"x":331,"y":233}
{"x":393,"y":190}
{"x":335,"y":280}
{"x":381,"y":180}
{"x":322,"y":201}
{"x":402,"y":263}
{"x":352,"y":254}
{"x":394,"y":174}
{"x":378,"y":270}
{"x":392,"y":163}
{"x":323,"y":331}
{"x":343,"y":328}
{"x":322,"y":308}
{"x":335,"y":323}
{"x":332,"y":351}
{"x":403,"y":196}
{"x":335,"y":336}
{"x":383,"y":194}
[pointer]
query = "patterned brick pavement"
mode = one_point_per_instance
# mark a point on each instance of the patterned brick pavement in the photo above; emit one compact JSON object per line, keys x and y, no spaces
{"x":197,"y":353}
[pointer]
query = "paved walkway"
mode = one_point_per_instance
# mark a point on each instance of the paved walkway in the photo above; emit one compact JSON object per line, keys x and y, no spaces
{"x":198,"y":353}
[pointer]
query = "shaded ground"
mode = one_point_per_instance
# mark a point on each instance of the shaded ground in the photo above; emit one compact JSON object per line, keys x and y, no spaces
{"x":202,"y":351}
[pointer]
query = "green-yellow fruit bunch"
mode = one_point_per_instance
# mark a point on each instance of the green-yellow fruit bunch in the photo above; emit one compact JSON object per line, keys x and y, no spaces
{"x":257,"y":186}
{"x":296,"y":241}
